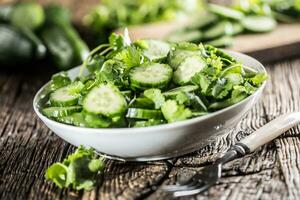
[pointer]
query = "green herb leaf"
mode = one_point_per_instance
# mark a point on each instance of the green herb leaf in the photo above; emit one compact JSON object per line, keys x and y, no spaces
{"x":130,"y":57}
{"x":78,"y":170}
{"x":258,"y":79}
{"x":60,"y":80}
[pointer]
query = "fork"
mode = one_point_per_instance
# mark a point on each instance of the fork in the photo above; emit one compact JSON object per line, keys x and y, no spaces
{"x":209,"y":176}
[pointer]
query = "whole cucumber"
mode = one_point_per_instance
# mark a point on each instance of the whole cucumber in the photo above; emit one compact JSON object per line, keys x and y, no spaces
{"x":27,"y":14}
{"x":60,"y":17}
{"x":5,"y":12}
{"x":15,"y":47}
{"x":59,"y":48}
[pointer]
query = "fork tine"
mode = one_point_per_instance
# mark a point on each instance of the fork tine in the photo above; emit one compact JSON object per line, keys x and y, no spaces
{"x":173,"y":188}
{"x":190,"y":186}
{"x":191,"y":192}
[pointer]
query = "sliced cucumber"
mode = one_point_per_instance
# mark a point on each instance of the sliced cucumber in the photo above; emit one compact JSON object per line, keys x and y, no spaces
{"x":143,"y":103}
{"x":226,"y":12}
{"x":156,"y":49}
{"x":76,"y":119}
{"x":96,"y":121}
{"x":54,"y":112}
{"x":152,"y":75}
{"x":176,"y":57}
{"x":259,"y":23}
{"x":201,"y":21}
{"x":187,"y":69}
{"x":237,"y":28}
{"x":137,"y":113}
{"x":176,"y":91}
{"x":66,"y":96}
{"x":185,"y":36}
{"x":105,"y":99}
{"x":150,"y":122}
{"x":224,"y":41}
{"x":220,"y":29}
{"x":198,"y":114}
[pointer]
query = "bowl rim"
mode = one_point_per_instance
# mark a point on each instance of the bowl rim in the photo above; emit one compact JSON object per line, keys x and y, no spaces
{"x":155,"y":127}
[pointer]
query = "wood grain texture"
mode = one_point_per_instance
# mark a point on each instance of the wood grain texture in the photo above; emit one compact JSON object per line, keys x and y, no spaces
{"x":27,"y":148}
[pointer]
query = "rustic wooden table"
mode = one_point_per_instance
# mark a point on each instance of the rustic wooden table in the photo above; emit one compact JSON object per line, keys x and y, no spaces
{"x":28,"y":147}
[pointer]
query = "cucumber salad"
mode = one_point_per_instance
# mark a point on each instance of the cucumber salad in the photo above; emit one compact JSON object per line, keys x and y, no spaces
{"x":146,"y":83}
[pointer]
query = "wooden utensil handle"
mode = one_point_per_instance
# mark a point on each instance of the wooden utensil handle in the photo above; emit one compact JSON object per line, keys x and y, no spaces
{"x":270,"y":131}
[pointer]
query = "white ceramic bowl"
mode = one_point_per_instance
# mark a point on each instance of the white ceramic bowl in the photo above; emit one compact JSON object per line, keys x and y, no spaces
{"x":156,"y":142}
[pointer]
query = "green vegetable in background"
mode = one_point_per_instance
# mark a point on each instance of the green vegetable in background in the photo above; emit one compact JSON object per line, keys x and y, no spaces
{"x":78,"y":170}
{"x":60,"y":16}
{"x":15,"y":47}
{"x":48,"y":30}
{"x":65,"y":46}
{"x":28,"y":17}
{"x":128,"y":89}
{"x":59,"y":48}
{"x":259,"y":23}
{"x":27,"y":14}
{"x":109,"y":15}
{"x":5,"y":12}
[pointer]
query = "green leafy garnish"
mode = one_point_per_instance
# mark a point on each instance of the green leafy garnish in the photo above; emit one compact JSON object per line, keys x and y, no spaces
{"x":78,"y":170}
{"x":59,"y":80}
{"x":137,"y":84}
{"x":173,"y":111}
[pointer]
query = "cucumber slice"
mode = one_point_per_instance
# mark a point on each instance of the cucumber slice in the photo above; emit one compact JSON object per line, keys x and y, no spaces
{"x":152,"y":75}
{"x":105,"y":99}
{"x":226,"y":12}
{"x":185,"y":36}
{"x":137,"y":113}
{"x":143,"y":103}
{"x":176,"y":91}
{"x":237,"y":28}
{"x":76,"y":119}
{"x":53,"y":112}
{"x":96,"y":121}
{"x":259,"y":23}
{"x":198,"y":114}
{"x":150,"y":122}
{"x":188,"y":69}
{"x":156,"y":49}
{"x":66,"y":96}
{"x":176,"y":57}
{"x":220,"y":29}
{"x":201,"y":21}
{"x":224,"y":41}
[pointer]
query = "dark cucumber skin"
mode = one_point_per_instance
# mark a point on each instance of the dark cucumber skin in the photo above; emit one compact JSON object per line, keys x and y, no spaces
{"x":59,"y":17}
{"x":60,"y":50}
{"x":15,"y":47}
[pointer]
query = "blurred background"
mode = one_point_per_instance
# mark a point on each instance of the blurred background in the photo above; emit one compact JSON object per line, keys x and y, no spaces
{"x":60,"y":33}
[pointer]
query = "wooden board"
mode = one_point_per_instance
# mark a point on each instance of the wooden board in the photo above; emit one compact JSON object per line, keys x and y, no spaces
{"x":282,"y":43}
{"x":28,"y":147}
